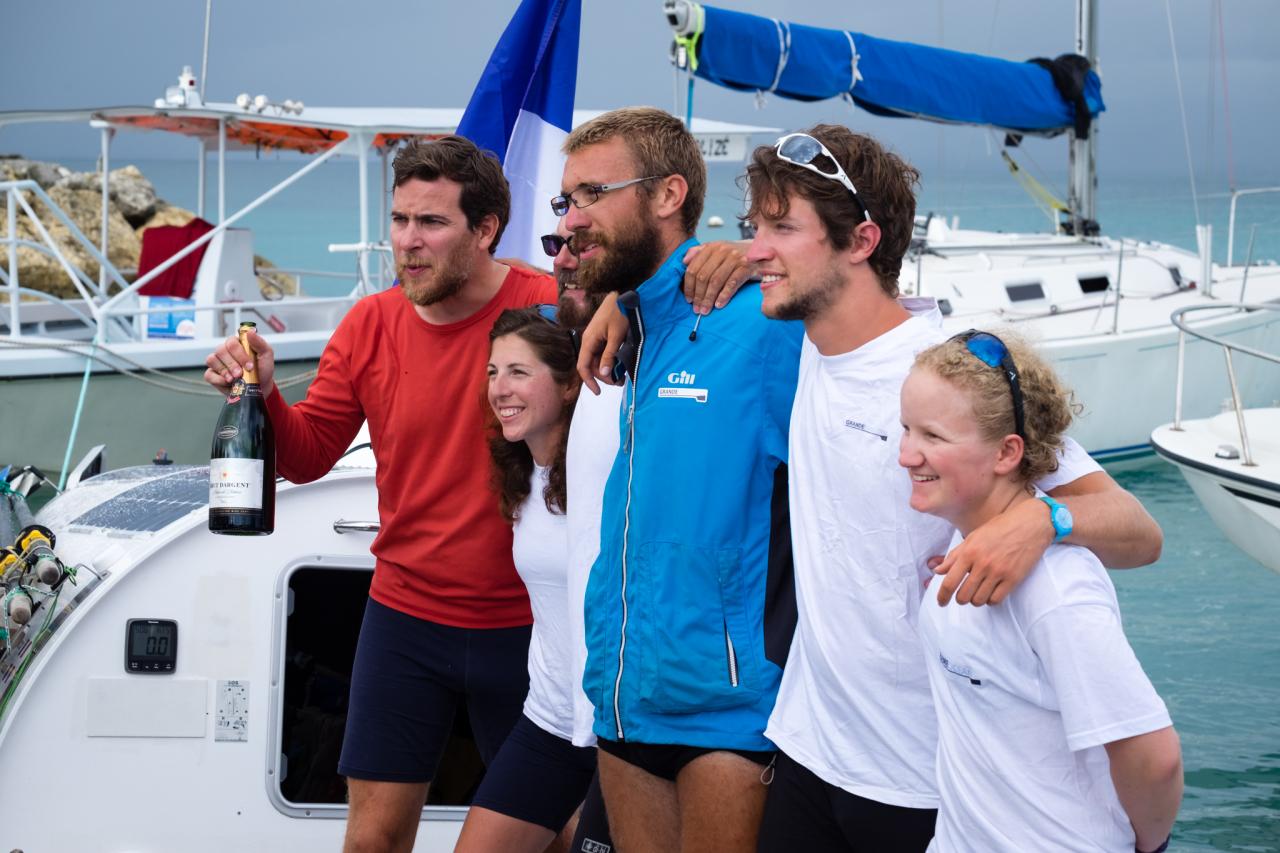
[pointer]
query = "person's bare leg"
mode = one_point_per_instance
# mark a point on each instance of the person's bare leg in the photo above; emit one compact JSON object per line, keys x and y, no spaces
{"x":721,"y":802}
{"x":560,"y":844}
{"x":486,"y":830}
{"x":643,"y":813}
{"x":383,"y":816}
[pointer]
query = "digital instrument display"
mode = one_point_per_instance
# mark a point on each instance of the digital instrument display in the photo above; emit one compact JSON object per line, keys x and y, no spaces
{"x":151,"y":646}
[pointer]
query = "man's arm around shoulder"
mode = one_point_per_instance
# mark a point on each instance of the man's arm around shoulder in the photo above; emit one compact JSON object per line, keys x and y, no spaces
{"x":997,"y":556}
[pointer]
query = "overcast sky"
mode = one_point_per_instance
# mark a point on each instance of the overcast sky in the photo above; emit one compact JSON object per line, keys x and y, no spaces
{"x":430,"y":52}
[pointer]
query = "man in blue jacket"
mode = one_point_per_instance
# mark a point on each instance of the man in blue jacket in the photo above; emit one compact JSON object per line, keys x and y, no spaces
{"x":683,"y":655}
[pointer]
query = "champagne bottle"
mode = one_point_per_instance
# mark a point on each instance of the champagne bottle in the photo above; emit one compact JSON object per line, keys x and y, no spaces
{"x":242,"y":463}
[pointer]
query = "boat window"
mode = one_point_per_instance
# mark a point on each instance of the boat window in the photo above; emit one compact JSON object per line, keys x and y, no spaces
{"x":1095,"y":284}
{"x":1024,"y":292}
{"x":320,"y":645}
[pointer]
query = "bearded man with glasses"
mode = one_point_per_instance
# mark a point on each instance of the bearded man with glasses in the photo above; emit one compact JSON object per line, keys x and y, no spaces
{"x":854,"y":721}
{"x":691,"y":524}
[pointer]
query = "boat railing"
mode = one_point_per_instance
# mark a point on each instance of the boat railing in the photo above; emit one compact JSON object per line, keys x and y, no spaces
{"x":79,"y":279}
{"x":381,"y":252}
{"x":237,"y":309}
{"x":1236,"y":195}
{"x":116,"y":303}
{"x":1185,"y":329}
{"x":76,"y":313}
{"x":90,"y":291}
{"x":120,"y":311}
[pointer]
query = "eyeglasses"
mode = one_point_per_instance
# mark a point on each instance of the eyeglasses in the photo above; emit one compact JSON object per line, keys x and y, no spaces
{"x":588,"y":194}
{"x":551,"y":313}
{"x":553,"y":243}
{"x":992,"y":352}
{"x":801,"y":149}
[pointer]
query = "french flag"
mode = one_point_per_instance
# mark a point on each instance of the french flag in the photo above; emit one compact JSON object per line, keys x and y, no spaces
{"x":522,"y":110}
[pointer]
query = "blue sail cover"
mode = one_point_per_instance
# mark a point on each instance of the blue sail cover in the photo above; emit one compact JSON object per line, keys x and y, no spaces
{"x":746,"y":52}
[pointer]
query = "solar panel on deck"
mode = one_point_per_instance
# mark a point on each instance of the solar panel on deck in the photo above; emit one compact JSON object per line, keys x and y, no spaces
{"x":152,"y":505}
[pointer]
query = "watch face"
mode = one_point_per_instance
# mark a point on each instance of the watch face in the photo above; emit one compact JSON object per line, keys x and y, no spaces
{"x":1062,"y":518}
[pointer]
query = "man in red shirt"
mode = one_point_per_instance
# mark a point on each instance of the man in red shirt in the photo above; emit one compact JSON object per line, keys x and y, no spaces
{"x":448,"y":618}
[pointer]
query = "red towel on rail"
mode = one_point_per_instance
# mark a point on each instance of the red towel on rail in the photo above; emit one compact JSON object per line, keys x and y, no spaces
{"x":163,"y":242}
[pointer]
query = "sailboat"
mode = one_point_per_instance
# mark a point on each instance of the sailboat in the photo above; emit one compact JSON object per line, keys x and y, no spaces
{"x":1098,"y":305}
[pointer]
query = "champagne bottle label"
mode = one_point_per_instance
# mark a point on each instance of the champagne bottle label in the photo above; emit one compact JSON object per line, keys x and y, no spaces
{"x":235,"y":484}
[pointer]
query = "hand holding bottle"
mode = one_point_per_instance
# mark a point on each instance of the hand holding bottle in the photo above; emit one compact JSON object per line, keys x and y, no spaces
{"x":242,"y":460}
{"x":228,"y":362}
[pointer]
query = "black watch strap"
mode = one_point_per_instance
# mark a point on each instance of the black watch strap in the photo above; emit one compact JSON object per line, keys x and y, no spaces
{"x":1161,"y":849}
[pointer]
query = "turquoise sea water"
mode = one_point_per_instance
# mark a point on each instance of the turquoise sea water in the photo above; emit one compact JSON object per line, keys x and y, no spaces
{"x":1201,"y":620}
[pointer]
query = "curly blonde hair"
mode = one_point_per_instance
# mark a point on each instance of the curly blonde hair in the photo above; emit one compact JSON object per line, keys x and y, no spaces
{"x":1048,"y":405}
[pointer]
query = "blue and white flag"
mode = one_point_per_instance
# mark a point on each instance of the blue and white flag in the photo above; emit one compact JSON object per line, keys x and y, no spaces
{"x":522,"y":110}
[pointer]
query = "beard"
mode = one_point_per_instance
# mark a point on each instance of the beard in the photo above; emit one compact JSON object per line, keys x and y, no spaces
{"x":446,"y":279}
{"x":812,"y":302}
{"x":576,"y":307}
{"x":627,"y":260}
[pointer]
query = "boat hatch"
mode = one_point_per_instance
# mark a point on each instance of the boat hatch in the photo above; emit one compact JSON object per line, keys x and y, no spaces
{"x":1026,"y":292}
{"x":1094,"y":283}
{"x":322,"y":613}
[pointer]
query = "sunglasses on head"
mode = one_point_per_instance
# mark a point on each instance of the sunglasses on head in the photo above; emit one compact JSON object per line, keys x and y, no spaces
{"x":551,"y":313}
{"x":801,"y":149}
{"x":992,"y":352}
{"x":553,"y":243}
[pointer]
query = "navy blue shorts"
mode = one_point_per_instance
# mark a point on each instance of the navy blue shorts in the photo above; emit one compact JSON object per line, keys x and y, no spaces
{"x":592,"y":835}
{"x":537,"y":777}
{"x":667,"y":760}
{"x":408,"y":679}
{"x":803,"y":812}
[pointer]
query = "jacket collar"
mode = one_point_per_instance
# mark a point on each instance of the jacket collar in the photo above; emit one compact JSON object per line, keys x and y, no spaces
{"x":660,"y":295}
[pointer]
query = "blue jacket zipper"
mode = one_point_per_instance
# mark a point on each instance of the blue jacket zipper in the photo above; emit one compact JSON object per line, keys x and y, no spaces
{"x":626,"y":525}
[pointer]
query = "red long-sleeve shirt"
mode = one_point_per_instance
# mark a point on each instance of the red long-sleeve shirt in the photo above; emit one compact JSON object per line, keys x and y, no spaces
{"x":444,"y":551}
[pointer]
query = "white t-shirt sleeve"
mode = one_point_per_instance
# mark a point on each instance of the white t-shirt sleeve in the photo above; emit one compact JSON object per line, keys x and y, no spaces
{"x":1102,"y":693}
{"x":1074,"y":462}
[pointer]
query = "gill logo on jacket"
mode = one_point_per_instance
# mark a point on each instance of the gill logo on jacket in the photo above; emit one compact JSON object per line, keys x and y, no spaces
{"x":682,"y":379}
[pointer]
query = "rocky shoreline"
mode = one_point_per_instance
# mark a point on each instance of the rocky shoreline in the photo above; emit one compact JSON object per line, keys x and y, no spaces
{"x":134,"y":207}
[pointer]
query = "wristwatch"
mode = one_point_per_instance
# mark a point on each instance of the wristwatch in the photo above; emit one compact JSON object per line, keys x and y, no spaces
{"x":1060,"y":516}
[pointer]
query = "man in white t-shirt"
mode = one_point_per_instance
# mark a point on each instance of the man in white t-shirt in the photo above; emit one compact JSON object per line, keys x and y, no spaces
{"x":854,"y":720}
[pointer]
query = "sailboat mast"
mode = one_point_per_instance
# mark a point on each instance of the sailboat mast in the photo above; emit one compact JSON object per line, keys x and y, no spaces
{"x":1083,"y":181}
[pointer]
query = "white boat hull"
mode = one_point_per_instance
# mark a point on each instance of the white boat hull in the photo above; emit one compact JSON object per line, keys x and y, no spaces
{"x":1059,"y":293}
{"x":1126,"y":382}
{"x":147,"y":746}
{"x":1243,"y":500}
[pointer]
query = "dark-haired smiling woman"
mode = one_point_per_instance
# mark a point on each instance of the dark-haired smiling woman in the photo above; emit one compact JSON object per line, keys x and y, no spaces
{"x":539,"y":778}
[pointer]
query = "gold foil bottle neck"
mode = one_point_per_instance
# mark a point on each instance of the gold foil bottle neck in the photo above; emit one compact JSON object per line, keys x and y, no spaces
{"x":250,"y":373}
